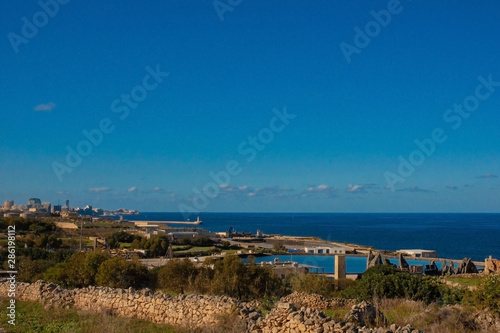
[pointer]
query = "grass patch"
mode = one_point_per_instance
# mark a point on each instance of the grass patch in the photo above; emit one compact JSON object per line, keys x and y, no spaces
{"x":197,"y":249}
{"x":31,"y":317}
{"x":465,"y":281}
{"x":401,"y":312}
{"x":337,"y":314}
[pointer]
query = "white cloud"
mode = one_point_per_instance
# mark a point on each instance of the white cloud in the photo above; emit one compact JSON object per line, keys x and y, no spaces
{"x":361,"y":188}
{"x":44,"y":107}
{"x":354,"y":188}
{"x":322,"y":188}
{"x":132,"y":189}
{"x":99,"y":189}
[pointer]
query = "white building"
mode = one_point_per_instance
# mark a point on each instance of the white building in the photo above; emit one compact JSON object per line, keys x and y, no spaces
{"x":419,"y":253}
{"x":325,"y":250}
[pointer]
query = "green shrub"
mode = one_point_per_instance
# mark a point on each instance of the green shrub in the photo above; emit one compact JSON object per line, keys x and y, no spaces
{"x":313,"y":284}
{"x":117,"y":272}
{"x":386,"y":281}
{"x":487,"y":294}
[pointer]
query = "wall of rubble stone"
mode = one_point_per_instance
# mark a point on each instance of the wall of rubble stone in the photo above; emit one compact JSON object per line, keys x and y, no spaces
{"x":188,"y":311}
{"x":315,"y":301}
{"x":199,"y":311}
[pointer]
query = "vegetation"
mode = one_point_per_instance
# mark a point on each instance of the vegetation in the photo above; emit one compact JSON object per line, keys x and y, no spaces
{"x":386,"y":281}
{"x":229,"y":277}
{"x":313,"y":284}
{"x":487,"y":295}
{"x":155,"y":246}
{"x":116,"y":272}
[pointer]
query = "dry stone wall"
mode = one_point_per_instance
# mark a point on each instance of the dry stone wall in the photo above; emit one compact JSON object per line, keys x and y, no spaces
{"x":315,"y":301}
{"x":189,"y":311}
{"x":199,"y":311}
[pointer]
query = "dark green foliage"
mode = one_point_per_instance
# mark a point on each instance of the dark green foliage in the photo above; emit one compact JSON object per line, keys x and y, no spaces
{"x":78,"y":271}
{"x":32,"y":270}
{"x":177,"y":275}
{"x":23,"y":226}
{"x":313,"y":284}
{"x":386,"y":281}
{"x":487,"y":294}
{"x":200,"y":241}
{"x":117,"y":272}
{"x":121,"y":237}
{"x":229,"y":276}
{"x":155,"y":246}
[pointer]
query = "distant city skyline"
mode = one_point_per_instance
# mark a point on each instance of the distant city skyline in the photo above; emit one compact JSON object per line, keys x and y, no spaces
{"x":385,"y":106}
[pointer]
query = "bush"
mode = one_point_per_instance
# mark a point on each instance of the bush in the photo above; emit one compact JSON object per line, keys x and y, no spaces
{"x":313,"y":284}
{"x":122,"y":237}
{"x":77,"y":271}
{"x":487,"y":294}
{"x":155,"y":246}
{"x":177,"y":275}
{"x":386,"y":281}
{"x":119,"y":273}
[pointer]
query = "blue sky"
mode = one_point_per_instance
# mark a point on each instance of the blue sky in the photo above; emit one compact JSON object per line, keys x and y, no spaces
{"x":351,"y":120}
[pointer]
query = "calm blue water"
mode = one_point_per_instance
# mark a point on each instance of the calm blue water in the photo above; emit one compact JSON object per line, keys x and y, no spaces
{"x":353,"y":264}
{"x":452,"y":235}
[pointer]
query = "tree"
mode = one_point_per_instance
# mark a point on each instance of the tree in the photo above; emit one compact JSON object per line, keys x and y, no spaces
{"x":279,"y":248}
{"x":177,"y":275}
{"x":230,"y":277}
{"x":116,"y":272}
{"x":155,"y":246}
{"x":32,"y":270}
{"x":313,"y":284}
{"x":121,"y":237}
{"x":79,"y":270}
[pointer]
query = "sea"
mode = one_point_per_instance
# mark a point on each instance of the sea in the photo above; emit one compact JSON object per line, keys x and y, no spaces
{"x":453,"y":236}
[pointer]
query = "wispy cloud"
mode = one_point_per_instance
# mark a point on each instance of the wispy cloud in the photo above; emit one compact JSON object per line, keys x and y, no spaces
{"x":99,"y":189}
{"x":271,"y":192}
{"x":132,"y":189}
{"x":320,"y":189}
{"x":414,"y":189}
{"x":45,"y":107}
{"x":60,"y":192}
{"x":360,"y":188}
{"x":488,"y":175}
{"x":452,"y":187}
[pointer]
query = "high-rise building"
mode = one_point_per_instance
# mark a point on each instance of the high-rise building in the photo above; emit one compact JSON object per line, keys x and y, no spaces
{"x":67,"y":204}
{"x":34,"y":203}
{"x":46,"y":206}
{"x":8,"y":205}
{"x":56,"y":209}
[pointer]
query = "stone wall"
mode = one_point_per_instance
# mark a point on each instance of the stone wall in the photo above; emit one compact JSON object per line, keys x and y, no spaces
{"x":315,"y":301}
{"x":297,"y":312}
{"x":188,"y":311}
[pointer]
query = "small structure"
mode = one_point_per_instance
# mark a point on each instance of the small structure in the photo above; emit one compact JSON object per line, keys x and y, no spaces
{"x":419,"y":253}
{"x":374,"y":259}
{"x":467,"y":267}
{"x":403,"y":264}
{"x":340,"y":267}
{"x":66,"y":225}
{"x":325,"y":250}
{"x":491,"y":266}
